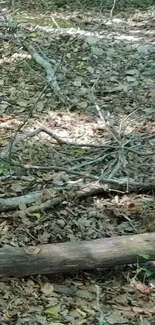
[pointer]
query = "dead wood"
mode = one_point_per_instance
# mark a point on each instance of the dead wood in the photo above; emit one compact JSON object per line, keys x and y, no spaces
{"x":48,"y":198}
{"x":53,"y":196}
{"x":50,"y":71}
{"x":32,"y":198}
{"x":74,"y":256}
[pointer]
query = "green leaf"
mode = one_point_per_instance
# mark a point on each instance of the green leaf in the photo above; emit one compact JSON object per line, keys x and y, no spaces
{"x":148,"y":274}
{"x":145,"y":256}
{"x":78,"y":151}
{"x":3,"y":168}
{"x":36,"y":215}
{"x":141,"y":269}
{"x":51,"y":312}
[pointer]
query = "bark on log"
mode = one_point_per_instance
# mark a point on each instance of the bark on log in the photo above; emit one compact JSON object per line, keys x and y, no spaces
{"x":74,"y":256}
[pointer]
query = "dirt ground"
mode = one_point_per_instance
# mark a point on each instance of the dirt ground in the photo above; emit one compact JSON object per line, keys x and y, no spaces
{"x":104,"y":66}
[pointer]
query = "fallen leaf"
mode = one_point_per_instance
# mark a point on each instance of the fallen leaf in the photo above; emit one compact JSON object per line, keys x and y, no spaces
{"x":51,"y":312}
{"x":83,"y":104}
{"x":36,"y":215}
{"x":143,"y":288}
{"x":47,"y":289}
{"x":33,"y":250}
{"x":32,"y":35}
{"x":116,"y":318}
{"x":97,"y":51}
{"x":22,"y":103}
{"x":91,"y":40}
{"x":16,"y":187}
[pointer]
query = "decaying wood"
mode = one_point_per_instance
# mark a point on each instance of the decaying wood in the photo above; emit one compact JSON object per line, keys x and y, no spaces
{"x":74,"y":256}
{"x":52,"y":197}
{"x":50,"y":71}
{"x":48,"y":198}
{"x":28,"y":199}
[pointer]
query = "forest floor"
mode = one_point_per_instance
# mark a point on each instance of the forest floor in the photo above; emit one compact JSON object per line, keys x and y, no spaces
{"x":105,"y":67}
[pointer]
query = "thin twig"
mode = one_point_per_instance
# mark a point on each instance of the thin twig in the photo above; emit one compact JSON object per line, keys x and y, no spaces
{"x":140,"y":153}
{"x":112,"y":9}
{"x":90,"y":162}
{"x":101,"y":314}
{"x":51,"y":134}
{"x":56,"y":168}
{"x":126,"y":183}
{"x":115,"y":169}
{"x":16,"y":177}
{"x":130,"y":222}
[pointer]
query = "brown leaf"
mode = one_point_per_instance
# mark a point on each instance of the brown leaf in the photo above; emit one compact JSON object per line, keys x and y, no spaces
{"x":143,"y":288}
{"x":33,"y":250}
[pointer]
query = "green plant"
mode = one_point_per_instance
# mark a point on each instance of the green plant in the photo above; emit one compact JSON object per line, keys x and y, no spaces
{"x":143,"y":270}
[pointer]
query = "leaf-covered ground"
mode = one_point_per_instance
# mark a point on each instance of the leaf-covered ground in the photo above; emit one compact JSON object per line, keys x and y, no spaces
{"x":106,"y":67}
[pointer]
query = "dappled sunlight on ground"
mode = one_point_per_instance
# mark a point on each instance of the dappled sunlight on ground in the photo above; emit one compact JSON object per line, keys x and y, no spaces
{"x":104,"y":131}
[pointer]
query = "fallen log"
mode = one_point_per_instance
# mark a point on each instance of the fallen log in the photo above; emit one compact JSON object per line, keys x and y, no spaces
{"x":74,"y":256}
